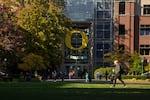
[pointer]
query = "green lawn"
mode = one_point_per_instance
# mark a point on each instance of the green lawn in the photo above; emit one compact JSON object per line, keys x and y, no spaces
{"x":71,"y":91}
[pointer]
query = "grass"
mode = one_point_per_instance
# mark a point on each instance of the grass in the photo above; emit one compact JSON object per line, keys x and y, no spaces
{"x":71,"y":91}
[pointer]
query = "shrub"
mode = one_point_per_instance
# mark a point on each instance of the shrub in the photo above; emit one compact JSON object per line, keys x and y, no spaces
{"x":133,"y":77}
{"x":102,"y":71}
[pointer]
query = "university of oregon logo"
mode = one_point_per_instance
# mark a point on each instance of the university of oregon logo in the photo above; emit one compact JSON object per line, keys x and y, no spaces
{"x":84,"y":40}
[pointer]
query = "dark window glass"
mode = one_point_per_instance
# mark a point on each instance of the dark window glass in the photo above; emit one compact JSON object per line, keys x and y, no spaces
{"x":142,"y":32}
{"x":107,"y":14}
{"x":99,"y":14}
{"x":99,"y":26}
{"x":106,"y":46}
{"x":107,"y":26}
{"x":107,"y":5}
{"x":99,"y":54}
{"x":76,"y":40}
{"x":99,"y":34}
{"x":121,"y":7}
{"x":146,"y":9}
{"x":99,"y":6}
{"x":147,"y":51}
{"x":107,"y":34}
{"x":145,"y":30}
{"x":121,"y":29}
{"x":141,"y":52}
{"x":99,"y":46}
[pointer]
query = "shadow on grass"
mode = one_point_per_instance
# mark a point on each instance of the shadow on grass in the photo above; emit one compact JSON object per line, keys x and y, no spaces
{"x":70,"y":91}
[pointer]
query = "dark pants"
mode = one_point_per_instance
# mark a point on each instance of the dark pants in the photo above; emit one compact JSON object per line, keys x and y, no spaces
{"x":118,"y":76}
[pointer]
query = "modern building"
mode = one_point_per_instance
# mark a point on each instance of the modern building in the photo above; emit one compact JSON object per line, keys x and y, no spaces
{"x":106,"y":25}
{"x":109,"y":25}
{"x":144,"y":29}
{"x":95,"y":18}
{"x":132,"y":26}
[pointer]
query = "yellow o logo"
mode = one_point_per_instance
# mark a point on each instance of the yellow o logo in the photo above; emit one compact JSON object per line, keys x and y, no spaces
{"x":84,"y":40}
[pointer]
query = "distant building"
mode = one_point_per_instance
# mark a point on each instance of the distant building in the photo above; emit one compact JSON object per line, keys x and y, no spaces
{"x":132,"y":26}
{"x":109,"y":24}
{"x":96,"y":19}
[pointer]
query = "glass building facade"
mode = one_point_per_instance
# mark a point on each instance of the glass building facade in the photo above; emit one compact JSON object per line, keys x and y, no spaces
{"x":103,"y":31}
{"x":95,"y":18}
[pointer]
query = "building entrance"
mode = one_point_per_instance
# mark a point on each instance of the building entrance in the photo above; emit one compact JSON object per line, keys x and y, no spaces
{"x":76,"y":71}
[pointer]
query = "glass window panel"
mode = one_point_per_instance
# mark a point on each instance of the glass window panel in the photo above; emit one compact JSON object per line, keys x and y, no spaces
{"x":99,"y":26}
{"x":146,"y":9}
{"x":107,"y":34}
{"x":99,"y":54}
{"x":99,"y":34}
{"x":121,"y":7}
{"x":75,"y":8}
{"x":107,"y":26}
{"x":121,"y":29}
{"x":107,"y":5}
{"x":106,"y":46}
{"x":147,"y":51}
{"x":142,"y":32}
{"x":100,"y":23}
{"x":147,"y":31}
{"x":76,"y":40}
{"x":99,"y":14}
{"x":107,"y":14}
{"x":99,"y":5}
{"x":141,"y":45}
{"x":99,"y":46}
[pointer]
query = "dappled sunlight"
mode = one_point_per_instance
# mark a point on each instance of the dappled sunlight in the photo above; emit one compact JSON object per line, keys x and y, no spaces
{"x":83,"y":85}
{"x":95,"y":85}
{"x":71,"y":91}
{"x":125,"y":92}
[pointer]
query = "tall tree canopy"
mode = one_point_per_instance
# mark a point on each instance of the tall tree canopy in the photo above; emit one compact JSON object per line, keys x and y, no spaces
{"x":45,"y":27}
{"x":39,"y":24}
{"x":121,"y":55}
{"x":10,"y":35}
{"x":135,"y":63}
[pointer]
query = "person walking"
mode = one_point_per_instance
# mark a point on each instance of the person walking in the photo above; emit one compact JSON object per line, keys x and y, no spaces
{"x":117,"y":73}
{"x":106,"y":75}
{"x":54,"y":73}
{"x":86,"y":77}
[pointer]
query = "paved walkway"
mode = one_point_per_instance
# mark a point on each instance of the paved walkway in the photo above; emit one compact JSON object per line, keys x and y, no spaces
{"x":99,"y":81}
{"x":79,"y":80}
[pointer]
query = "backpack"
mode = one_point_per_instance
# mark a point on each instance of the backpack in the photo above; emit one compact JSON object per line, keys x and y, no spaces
{"x":123,"y":69}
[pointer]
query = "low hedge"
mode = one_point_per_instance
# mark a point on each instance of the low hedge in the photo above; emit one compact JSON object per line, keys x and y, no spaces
{"x":134,"y":76}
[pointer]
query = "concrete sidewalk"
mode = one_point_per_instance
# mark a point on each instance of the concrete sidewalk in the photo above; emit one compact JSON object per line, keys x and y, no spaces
{"x":79,"y":80}
{"x":99,"y":81}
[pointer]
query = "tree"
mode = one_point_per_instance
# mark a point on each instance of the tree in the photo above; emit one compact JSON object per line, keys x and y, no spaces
{"x":31,"y":26}
{"x":135,"y":63}
{"x":45,"y":27}
{"x":32,"y":62}
{"x":10,"y":35}
{"x":120,"y":55}
{"x":147,"y":68}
